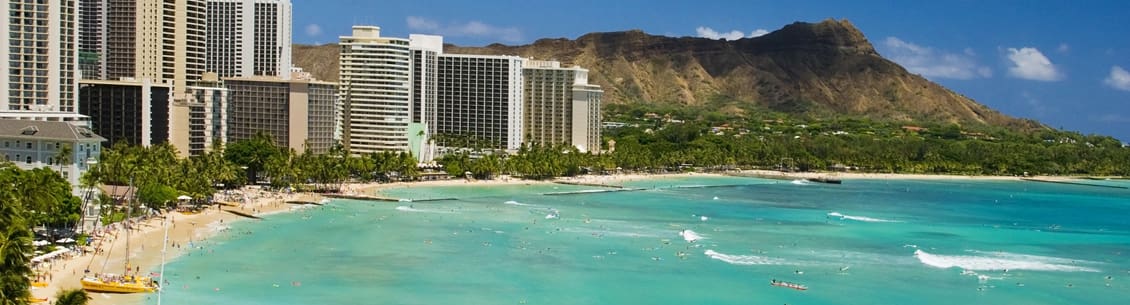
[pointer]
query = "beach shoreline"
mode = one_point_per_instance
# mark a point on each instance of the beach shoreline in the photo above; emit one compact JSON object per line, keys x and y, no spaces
{"x":147,"y":238}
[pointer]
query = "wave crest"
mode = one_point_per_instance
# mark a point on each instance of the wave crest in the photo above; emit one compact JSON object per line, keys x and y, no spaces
{"x":1002,"y":261}
{"x":690,"y":236}
{"x":743,"y":259}
{"x":512,"y":202}
{"x":859,"y":218}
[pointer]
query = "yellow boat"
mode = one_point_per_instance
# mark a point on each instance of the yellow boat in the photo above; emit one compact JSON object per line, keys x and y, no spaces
{"x":36,"y":300}
{"x":38,"y":284}
{"x":119,"y":284}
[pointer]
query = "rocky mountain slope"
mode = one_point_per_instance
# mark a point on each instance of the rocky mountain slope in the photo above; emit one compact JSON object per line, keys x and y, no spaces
{"x":816,"y":69}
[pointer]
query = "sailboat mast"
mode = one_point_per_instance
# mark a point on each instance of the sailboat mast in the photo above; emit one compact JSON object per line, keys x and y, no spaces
{"x":129,"y":213}
{"x":164,"y":248}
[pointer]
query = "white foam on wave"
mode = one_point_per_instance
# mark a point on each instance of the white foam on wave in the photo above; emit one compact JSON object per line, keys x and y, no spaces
{"x":801,"y":182}
{"x":1002,"y":261}
{"x":512,"y":202}
{"x":859,"y":218}
{"x":690,"y":236}
{"x":743,"y":259}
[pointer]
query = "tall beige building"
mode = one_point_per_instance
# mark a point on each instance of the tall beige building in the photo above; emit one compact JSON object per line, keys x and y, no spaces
{"x":156,"y":39}
{"x":38,"y":63}
{"x":296,"y":113}
{"x":160,"y":41}
{"x":561,"y":106}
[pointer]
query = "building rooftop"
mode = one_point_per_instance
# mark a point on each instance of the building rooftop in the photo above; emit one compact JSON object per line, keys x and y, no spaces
{"x":45,"y":130}
{"x":276,"y":79}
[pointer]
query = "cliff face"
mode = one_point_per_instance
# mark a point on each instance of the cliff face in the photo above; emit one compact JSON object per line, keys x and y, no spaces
{"x":819,"y":69}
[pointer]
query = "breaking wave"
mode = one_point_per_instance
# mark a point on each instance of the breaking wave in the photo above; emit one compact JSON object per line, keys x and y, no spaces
{"x":1002,"y":261}
{"x":743,"y":259}
{"x":859,"y":218}
{"x":690,"y":236}
{"x":512,"y":202}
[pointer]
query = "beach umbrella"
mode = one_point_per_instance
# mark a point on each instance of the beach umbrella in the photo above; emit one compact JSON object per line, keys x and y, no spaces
{"x":65,"y":240}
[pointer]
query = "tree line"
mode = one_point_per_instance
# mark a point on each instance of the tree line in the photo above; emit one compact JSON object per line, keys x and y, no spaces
{"x":28,"y":199}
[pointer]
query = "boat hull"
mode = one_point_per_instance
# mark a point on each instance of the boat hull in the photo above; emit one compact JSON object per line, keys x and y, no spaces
{"x":114,"y":287}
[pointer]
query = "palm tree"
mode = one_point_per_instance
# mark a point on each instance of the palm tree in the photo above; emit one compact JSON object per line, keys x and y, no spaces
{"x":15,"y":251}
{"x":71,"y":297}
{"x":63,"y":156}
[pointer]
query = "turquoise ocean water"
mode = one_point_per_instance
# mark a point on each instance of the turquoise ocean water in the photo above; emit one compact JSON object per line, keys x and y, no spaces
{"x":676,"y":242}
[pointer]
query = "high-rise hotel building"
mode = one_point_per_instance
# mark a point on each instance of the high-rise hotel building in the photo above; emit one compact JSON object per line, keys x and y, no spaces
{"x":399,"y":94}
{"x":91,"y":38}
{"x":297,"y":113}
{"x":38,"y":60}
{"x":479,"y":96}
{"x":375,"y":88}
{"x":154,"y":41}
{"x":132,"y":111}
{"x":561,"y":106}
{"x":249,"y":38}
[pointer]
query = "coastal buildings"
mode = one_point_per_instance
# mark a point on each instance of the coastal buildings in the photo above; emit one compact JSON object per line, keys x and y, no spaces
{"x":155,"y":39}
{"x":132,"y":111}
{"x":249,"y":38}
{"x":64,"y":147}
{"x":479,"y":98}
{"x":37,"y":60}
{"x":206,"y":116}
{"x":561,"y":106}
{"x":408,"y":95}
{"x":375,"y":90}
{"x":299,"y":113}
{"x":91,"y":38}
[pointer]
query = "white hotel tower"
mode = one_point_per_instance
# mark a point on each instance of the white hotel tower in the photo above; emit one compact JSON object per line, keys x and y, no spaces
{"x":375,"y":88}
{"x":249,"y":38}
{"x":38,"y":60}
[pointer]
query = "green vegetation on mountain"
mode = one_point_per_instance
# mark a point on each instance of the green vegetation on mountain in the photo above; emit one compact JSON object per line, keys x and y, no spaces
{"x":659,"y":138}
{"x":808,"y":96}
{"x":814,"y":70}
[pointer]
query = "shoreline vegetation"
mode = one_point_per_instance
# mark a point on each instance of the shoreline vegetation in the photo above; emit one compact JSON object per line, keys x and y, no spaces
{"x":190,"y":229}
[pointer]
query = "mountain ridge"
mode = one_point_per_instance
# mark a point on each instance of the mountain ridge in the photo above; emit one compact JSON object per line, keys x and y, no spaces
{"x":819,"y":69}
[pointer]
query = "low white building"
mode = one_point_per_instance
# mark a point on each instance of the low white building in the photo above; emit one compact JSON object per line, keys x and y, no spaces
{"x":34,"y":144}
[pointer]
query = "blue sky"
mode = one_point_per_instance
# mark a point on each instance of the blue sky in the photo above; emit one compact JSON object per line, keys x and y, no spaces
{"x":1063,"y":63}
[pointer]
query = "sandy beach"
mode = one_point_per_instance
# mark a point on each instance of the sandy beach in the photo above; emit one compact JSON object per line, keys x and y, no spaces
{"x":147,"y":237}
{"x":146,"y":241}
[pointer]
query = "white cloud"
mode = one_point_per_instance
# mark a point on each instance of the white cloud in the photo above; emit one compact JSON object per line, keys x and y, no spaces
{"x":1063,"y":48}
{"x":1118,"y":79}
{"x":468,"y":29}
{"x":313,"y":29}
{"x":421,"y":24}
{"x":1029,"y":63}
{"x":931,"y":63}
{"x":706,"y":32}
